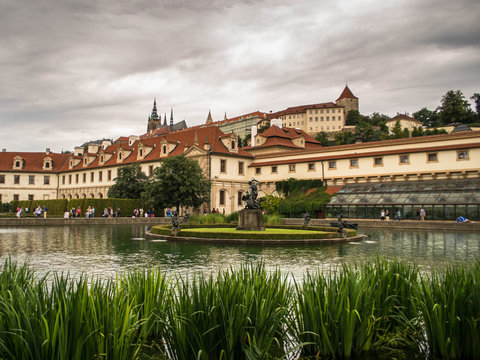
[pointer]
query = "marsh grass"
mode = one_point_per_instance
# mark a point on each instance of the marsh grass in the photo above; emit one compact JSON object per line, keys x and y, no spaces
{"x":353,"y":311}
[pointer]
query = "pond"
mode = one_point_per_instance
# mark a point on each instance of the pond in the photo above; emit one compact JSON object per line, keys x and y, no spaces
{"x":104,"y":251}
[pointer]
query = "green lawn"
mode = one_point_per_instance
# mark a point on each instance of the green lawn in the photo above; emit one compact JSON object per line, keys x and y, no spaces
{"x":267,"y":231}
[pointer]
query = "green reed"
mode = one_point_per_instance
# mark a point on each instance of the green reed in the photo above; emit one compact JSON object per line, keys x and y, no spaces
{"x":450,"y":306}
{"x":239,"y":314}
{"x":383,"y":307}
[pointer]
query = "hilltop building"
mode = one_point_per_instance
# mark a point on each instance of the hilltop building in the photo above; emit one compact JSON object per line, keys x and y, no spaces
{"x":328,"y":117}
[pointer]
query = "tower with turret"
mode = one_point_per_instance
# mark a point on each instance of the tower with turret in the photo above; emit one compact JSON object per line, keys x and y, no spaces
{"x":347,"y":100}
{"x":154,"y":120}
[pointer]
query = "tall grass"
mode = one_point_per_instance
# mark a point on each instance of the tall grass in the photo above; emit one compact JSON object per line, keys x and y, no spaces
{"x":450,"y":306}
{"x":353,"y":311}
{"x":273,"y":219}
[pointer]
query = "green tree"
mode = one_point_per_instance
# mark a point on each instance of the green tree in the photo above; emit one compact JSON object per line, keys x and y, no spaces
{"x":397,"y":130}
{"x":454,"y":108}
{"x":353,"y":117}
{"x":129,"y":184}
{"x":427,"y":117}
{"x":418,"y":131}
{"x":322,"y":138}
{"x":178,"y":182}
{"x":270,"y":204}
{"x":476,"y":100}
{"x":344,"y":137}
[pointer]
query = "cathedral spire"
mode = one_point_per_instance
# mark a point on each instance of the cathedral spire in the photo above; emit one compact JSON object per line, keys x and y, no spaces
{"x":171,"y":118}
{"x":154,"y":114}
{"x":209,"y":118}
{"x":165,"y":120}
{"x":225,"y":117}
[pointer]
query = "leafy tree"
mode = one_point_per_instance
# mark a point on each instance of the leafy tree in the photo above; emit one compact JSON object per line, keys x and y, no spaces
{"x":345,"y":137}
{"x":270,"y":204}
{"x":129,"y":184}
{"x":397,"y":130}
{"x":353,"y":117}
{"x":377,"y":119}
{"x":322,"y":137}
{"x":454,"y":108}
{"x":365,"y":131}
{"x":178,"y":182}
{"x":476,"y":99}
{"x":427,"y":117}
{"x":418,"y":131}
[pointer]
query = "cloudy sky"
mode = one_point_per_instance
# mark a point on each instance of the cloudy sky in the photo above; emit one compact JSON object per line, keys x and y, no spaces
{"x":72,"y":71}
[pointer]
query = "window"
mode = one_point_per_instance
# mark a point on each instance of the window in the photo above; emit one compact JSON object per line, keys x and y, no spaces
{"x":0,"y":198}
{"x":47,"y":165}
{"x":31,"y":179}
{"x":333,"y":118}
{"x":462,"y":155}
{"x":310,"y":119}
{"x":2,"y":179}
{"x":140,"y":152}
{"x":222,"y":197}
{"x":274,"y":169}
{"x":258,"y":171}
{"x":84,"y":177}
{"x":291,"y":168}
{"x":85,"y":160}
{"x":328,"y":118}
{"x":311,"y":167}
{"x":76,"y":178}
{"x":223,"y":166}
{"x":353,"y":163}
{"x":404,"y":159}
{"x":109,"y":175}
{"x":240,"y":168}
{"x":378,"y":161}
{"x":30,"y":197}
{"x":16,"y":179}
{"x":46,"y":180}
{"x":101,"y":159}
{"x":150,"y":170}
{"x":92,"y":176}
{"x":332,"y":164}
{"x":233,"y":144}
{"x":17,"y":164}
{"x":16,"y":197}
{"x":432,"y":157}
{"x":239,"y":198}
{"x":69,"y":179}
{"x":63,"y":180}
{"x":316,"y":111}
{"x":100,"y":176}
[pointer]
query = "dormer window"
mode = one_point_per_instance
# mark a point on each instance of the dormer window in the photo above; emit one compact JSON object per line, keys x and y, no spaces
{"x":120,"y":156}
{"x":17,"y":162}
{"x":233,"y":144}
{"x":164,"y":149}
{"x":140,"y":152}
{"x":71,"y":163}
{"x":47,"y":165}
{"x":85,"y":161}
{"x":101,"y":159}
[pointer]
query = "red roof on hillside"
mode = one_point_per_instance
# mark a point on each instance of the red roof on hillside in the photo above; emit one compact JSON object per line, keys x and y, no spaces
{"x":32,"y":161}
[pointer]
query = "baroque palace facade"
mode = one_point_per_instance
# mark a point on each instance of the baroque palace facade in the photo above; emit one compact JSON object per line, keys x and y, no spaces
{"x":278,"y":153}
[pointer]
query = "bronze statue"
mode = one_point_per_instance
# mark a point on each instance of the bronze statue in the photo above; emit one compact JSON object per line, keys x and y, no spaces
{"x":250,"y":198}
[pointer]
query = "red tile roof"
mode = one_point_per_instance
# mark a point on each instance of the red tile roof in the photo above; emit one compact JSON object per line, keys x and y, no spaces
{"x":32,"y":161}
{"x":346,"y":93}
{"x":302,"y":109}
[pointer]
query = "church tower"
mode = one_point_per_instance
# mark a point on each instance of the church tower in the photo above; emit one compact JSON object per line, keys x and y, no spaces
{"x":348,"y":100}
{"x":209,"y":118}
{"x":153,"y":119}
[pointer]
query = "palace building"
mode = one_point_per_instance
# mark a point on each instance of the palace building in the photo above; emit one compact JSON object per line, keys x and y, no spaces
{"x":279,"y":153}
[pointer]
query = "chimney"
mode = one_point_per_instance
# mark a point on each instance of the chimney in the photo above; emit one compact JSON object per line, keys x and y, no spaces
{"x":47,"y":151}
{"x":78,"y":150}
{"x":253,"y":134}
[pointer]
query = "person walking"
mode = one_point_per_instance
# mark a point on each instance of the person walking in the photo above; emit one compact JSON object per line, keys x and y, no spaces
{"x":382,"y":214}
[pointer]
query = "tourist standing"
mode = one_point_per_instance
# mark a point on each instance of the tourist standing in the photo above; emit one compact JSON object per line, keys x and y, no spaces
{"x":382,"y":214}
{"x":44,"y":211}
{"x":387,"y":214}
{"x":423,"y":214}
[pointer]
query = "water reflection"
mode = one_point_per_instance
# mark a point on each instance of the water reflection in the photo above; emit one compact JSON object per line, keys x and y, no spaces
{"x":104,"y":251}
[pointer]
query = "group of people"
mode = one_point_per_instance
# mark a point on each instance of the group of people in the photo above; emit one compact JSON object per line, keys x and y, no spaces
{"x":213,"y":211}
{"x":141,"y":213}
{"x":37,"y":211}
{"x":385,"y":215}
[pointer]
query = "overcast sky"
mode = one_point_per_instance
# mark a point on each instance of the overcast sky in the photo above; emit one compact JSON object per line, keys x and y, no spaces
{"x":73,"y":71}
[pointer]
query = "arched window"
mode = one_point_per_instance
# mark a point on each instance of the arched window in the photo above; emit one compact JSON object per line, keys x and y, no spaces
{"x":17,"y":163}
{"x":100,"y":195}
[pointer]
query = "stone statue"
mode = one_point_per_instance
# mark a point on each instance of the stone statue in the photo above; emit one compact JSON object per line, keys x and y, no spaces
{"x":250,"y":198}
{"x":175,"y":225}
{"x":342,"y":224}
{"x":306,"y":219}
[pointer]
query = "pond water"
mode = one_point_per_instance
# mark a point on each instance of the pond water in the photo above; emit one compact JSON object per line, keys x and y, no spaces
{"x":104,"y":251}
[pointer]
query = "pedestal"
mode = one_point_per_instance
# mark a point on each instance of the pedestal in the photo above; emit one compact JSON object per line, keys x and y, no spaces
{"x":250,"y":219}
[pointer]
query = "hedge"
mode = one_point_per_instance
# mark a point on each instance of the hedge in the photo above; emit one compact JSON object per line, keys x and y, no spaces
{"x":54,"y":207}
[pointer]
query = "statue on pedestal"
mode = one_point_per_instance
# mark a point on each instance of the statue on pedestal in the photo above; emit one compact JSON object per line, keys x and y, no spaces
{"x":306,"y":219}
{"x":250,"y":198}
{"x":175,"y":225}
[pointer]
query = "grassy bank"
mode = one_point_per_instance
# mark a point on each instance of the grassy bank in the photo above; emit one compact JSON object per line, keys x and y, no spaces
{"x":382,"y":309}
